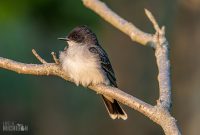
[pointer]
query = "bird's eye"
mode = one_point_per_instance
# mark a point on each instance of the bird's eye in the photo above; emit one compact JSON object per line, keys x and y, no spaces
{"x":78,"y":38}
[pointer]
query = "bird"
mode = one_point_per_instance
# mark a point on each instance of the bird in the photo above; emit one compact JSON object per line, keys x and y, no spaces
{"x":87,"y":63}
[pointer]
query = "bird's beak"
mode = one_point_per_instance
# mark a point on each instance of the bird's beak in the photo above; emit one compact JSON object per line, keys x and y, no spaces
{"x":65,"y":39}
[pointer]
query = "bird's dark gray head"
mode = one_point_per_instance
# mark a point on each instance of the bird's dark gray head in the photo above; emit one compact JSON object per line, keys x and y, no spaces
{"x":82,"y":34}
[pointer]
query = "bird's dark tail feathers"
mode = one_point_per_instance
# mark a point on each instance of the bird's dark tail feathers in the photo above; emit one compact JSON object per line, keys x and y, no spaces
{"x":114,"y":109}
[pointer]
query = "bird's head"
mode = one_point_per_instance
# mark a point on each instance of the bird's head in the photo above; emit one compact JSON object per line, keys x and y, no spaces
{"x":81,"y":35}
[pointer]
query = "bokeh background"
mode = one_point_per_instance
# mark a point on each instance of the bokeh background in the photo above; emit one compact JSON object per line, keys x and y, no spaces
{"x":52,"y":106}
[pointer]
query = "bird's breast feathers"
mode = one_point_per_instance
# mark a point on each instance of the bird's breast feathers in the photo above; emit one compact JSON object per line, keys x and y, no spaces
{"x":82,"y":66}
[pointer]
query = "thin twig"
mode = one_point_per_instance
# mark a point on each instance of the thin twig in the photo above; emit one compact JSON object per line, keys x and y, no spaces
{"x":152,"y":19}
{"x":55,"y":58}
{"x":38,"y":57}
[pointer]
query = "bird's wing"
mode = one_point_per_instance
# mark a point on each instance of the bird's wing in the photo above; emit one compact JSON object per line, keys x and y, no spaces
{"x":105,"y":63}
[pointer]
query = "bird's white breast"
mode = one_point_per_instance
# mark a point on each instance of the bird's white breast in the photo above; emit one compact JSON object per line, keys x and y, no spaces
{"x":82,"y":66}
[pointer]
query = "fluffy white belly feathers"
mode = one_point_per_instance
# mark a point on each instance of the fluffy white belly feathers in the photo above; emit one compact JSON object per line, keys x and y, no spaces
{"x":83,"y":67}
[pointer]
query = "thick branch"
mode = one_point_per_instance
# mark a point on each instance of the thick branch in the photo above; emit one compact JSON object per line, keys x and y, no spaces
{"x":128,"y":28}
{"x":160,"y":44}
{"x":161,"y":53}
{"x":33,"y":69}
{"x":157,"y":41}
{"x":163,"y":63}
{"x":55,"y":69}
{"x":154,"y":113}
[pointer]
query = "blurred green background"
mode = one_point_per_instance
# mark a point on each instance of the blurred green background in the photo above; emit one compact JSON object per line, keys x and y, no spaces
{"x":52,"y":106}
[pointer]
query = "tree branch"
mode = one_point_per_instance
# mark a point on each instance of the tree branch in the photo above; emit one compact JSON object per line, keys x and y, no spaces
{"x":162,"y":59}
{"x":55,"y":58}
{"x":160,"y":44}
{"x":158,"y":113}
{"x":54,"y":69}
{"x":38,"y":56}
{"x":128,"y":28}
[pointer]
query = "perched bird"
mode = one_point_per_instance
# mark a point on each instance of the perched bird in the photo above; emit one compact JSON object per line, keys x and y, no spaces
{"x":86,"y":63}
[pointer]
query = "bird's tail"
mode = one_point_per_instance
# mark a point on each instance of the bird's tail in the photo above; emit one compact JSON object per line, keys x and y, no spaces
{"x":114,"y":109}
